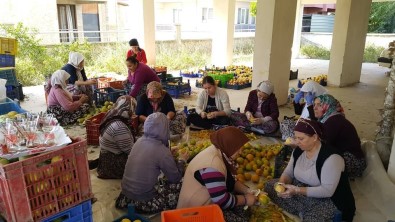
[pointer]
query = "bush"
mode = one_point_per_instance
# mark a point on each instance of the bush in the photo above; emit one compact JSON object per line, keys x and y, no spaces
{"x":371,"y":53}
{"x":315,"y":52}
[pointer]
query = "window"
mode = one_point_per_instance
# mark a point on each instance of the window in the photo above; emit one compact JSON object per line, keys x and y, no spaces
{"x":176,"y":15}
{"x":67,"y":23}
{"x":242,"y":15}
{"x":207,"y":14}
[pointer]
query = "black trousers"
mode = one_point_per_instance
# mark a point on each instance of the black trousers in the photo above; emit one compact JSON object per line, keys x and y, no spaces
{"x":197,"y":120}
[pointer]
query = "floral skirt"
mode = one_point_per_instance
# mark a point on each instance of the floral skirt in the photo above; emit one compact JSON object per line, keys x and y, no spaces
{"x":354,"y":165}
{"x":64,"y":117}
{"x":307,"y":208}
{"x":178,"y":123}
{"x":237,"y":214}
{"x":240,"y":119}
{"x":166,"y":198}
{"x":111,"y":166}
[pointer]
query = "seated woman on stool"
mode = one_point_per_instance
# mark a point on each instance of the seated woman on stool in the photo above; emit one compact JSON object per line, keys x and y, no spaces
{"x":158,"y":100}
{"x":213,"y":107}
{"x":66,"y":107}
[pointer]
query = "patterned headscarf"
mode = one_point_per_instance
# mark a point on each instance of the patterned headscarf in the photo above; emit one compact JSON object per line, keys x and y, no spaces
{"x":122,"y":110}
{"x":155,"y":90}
{"x":229,"y":140}
{"x":330,"y":106}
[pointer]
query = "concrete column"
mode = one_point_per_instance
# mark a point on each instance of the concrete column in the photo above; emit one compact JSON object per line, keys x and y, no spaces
{"x":143,"y":12}
{"x":275,"y":22}
{"x":298,"y":29}
{"x":223,"y":32}
{"x":348,"y":43}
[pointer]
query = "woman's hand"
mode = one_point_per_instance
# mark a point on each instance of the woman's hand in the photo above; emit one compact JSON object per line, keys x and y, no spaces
{"x":84,"y":98}
{"x":203,"y":115}
{"x":250,"y":199}
{"x":183,"y":156}
{"x":211,"y":115}
{"x":248,"y":115}
{"x":91,"y":81}
{"x":257,"y":121}
{"x":290,"y":190}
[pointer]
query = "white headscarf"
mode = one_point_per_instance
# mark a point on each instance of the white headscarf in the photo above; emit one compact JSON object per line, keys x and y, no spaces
{"x":59,"y":77}
{"x":316,"y":89}
{"x":75,"y":59}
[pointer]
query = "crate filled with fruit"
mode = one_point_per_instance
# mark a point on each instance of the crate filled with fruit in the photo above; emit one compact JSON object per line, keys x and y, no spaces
{"x":321,"y":79}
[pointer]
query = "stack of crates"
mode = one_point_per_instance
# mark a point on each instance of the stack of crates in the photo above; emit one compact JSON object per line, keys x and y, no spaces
{"x":8,"y":50}
{"x":53,"y":183}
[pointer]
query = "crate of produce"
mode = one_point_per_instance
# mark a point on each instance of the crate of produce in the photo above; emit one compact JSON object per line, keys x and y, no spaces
{"x":131,"y":216}
{"x":8,"y":73}
{"x":215,"y":68}
{"x":41,"y":186}
{"x":223,"y":78}
{"x":175,"y":89}
{"x":109,"y":82}
{"x":8,"y":46}
{"x":101,"y":95}
{"x":209,"y":213}
{"x":92,"y":128}
{"x":7,"y":60}
{"x":191,"y":74}
{"x":15,"y":92}
{"x":82,"y":212}
{"x":237,"y":86}
{"x":9,"y":105}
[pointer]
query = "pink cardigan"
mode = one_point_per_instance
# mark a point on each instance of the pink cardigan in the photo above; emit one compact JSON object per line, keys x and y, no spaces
{"x":57,"y":96}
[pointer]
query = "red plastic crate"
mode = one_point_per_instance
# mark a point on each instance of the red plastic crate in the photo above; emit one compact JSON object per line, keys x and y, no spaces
{"x":209,"y":213}
{"x":34,"y":188}
{"x":109,"y":82}
{"x":92,"y":128}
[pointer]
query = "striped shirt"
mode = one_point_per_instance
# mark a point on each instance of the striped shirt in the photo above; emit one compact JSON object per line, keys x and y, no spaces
{"x":116,"y":138}
{"x":215,"y":183}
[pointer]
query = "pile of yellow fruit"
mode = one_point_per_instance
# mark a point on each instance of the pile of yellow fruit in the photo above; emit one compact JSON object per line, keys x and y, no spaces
{"x":317,"y":79}
{"x":96,"y":110}
{"x":128,"y":220}
{"x":11,"y":115}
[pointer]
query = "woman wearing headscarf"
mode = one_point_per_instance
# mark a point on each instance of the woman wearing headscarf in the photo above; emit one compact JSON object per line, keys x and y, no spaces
{"x":116,"y":138}
{"x":136,"y":51}
{"x":139,"y":75}
{"x":209,"y":177}
{"x":149,"y":157}
{"x":315,"y":179}
{"x":308,"y":92}
{"x":213,"y":106}
{"x":66,"y":107}
{"x":78,"y":82}
{"x":345,"y":139}
{"x":157,"y":100}
{"x":262,"y":109}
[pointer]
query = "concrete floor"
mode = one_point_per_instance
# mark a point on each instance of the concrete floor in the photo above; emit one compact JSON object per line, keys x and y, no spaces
{"x":361,"y":102}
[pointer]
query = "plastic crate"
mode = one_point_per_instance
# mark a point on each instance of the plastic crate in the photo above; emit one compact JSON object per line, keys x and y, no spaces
{"x":9,"y":105}
{"x":8,"y":46}
{"x":7,"y":60}
{"x":178,"y":88}
{"x":15,"y":92}
{"x":37,"y":187}
{"x":101,"y":95}
{"x":80,"y":213}
{"x":237,"y":86}
{"x":191,"y":75}
{"x":8,"y":73}
{"x":132,"y":215}
{"x":92,"y":128}
{"x":209,"y":213}
{"x":109,"y":82}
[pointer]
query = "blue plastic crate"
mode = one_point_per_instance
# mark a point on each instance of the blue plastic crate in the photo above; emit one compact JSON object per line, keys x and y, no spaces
{"x":9,"y":74}
{"x":178,"y":89}
{"x":132,"y":215}
{"x":9,"y":105}
{"x":80,"y":213}
{"x":7,"y":60}
{"x":102,"y":95}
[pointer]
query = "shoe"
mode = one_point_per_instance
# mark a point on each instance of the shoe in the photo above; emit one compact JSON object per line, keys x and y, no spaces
{"x":93,"y":164}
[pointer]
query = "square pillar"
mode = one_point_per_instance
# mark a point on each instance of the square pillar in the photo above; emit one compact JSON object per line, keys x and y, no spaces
{"x":275,"y":22}
{"x":348,"y":43}
{"x":223,"y":32}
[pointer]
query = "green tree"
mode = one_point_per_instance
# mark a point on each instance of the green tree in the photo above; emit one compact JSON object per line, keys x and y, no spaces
{"x":253,"y":9}
{"x":381,"y":19}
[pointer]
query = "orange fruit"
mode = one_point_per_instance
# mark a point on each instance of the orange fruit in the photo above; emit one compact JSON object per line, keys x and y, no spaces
{"x":255,"y":178}
{"x":248,"y":167}
{"x":266,"y":173}
{"x":255,"y":167}
{"x":247,"y":176}
{"x":269,"y":154}
{"x":250,"y":157}
{"x":240,"y":170}
{"x":259,"y":172}
{"x":260,"y":186}
{"x":240,"y":177}
{"x":240,"y":160}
